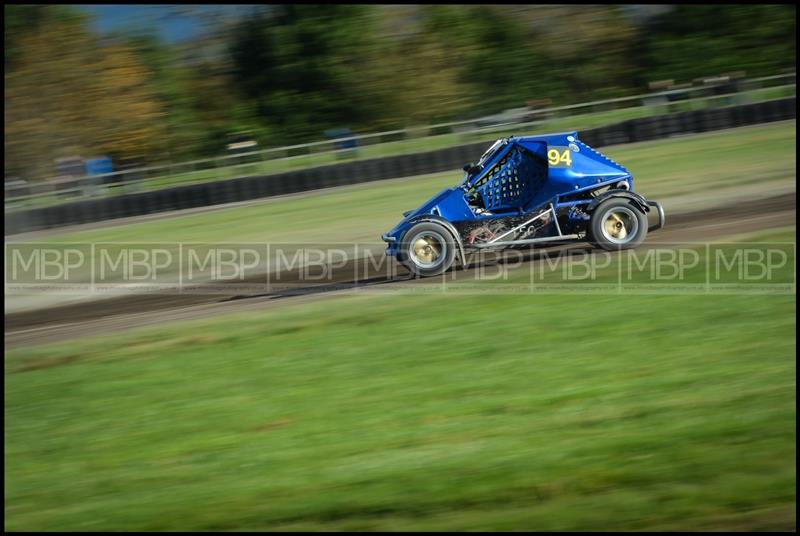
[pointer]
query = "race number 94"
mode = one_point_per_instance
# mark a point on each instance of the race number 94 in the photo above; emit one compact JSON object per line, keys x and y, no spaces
{"x":556,"y":157}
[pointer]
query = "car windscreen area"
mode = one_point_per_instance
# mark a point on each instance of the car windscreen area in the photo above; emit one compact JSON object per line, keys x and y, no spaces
{"x":490,"y":151}
{"x":511,"y":183}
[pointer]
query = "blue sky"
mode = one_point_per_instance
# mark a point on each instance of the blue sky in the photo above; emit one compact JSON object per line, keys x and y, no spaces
{"x":175,"y":22}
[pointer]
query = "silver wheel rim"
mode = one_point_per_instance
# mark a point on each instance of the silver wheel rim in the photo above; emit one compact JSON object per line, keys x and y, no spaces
{"x":427,"y":249}
{"x":619,"y":225}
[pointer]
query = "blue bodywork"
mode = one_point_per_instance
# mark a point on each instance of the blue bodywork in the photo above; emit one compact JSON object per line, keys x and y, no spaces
{"x":519,"y":176}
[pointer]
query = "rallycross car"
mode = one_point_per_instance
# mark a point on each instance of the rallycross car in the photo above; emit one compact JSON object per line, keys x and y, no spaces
{"x":525,"y":191}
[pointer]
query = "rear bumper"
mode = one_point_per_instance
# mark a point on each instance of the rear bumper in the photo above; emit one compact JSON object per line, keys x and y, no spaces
{"x":660,"y":212}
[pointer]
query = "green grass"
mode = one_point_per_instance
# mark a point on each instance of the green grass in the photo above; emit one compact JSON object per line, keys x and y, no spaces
{"x":440,"y":412}
{"x":410,"y":145}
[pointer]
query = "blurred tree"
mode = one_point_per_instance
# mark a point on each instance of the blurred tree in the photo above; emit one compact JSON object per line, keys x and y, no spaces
{"x":21,"y":20}
{"x":693,"y":41}
{"x":287,"y":73}
{"x":591,"y":50}
{"x":67,"y":95}
{"x":501,"y":62}
{"x":428,"y":82}
{"x":183,"y":131}
{"x":301,"y":63}
{"x":45,"y":114}
{"x":193,"y":83}
{"x":129,"y":116}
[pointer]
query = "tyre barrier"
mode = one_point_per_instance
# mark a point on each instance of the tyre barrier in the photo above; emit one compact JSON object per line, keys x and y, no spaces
{"x":390,"y":167}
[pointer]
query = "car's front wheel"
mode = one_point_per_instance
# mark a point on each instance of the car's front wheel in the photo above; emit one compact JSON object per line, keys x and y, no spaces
{"x":427,"y":249}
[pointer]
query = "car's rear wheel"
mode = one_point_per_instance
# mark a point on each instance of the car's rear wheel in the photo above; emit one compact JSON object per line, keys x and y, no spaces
{"x":618,"y":224}
{"x":427,"y":249}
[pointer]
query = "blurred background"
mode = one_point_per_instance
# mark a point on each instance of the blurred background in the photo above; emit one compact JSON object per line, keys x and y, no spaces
{"x":148,"y":96}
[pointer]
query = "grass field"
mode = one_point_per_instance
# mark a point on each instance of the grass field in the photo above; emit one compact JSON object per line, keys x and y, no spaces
{"x":418,"y":412}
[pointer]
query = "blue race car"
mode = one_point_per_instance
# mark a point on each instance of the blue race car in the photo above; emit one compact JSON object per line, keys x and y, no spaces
{"x":524,"y":191}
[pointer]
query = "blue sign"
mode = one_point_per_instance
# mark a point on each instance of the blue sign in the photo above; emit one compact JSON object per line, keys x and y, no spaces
{"x":342,"y":133}
{"x":99,"y":166}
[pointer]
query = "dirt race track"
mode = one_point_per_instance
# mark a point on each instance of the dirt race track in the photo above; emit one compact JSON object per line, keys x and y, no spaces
{"x":113,"y":314}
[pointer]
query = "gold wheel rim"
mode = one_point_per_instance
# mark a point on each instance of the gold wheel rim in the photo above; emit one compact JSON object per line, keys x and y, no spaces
{"x":426,"y":249}
{"x":618,"y":225}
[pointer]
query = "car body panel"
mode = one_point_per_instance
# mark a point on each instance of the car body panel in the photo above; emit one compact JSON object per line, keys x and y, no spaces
{"x":520,"y":177}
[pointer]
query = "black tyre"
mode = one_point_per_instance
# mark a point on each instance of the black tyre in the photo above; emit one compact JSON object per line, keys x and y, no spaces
{"x":618,"y":224}
{"x":427,"y":249}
